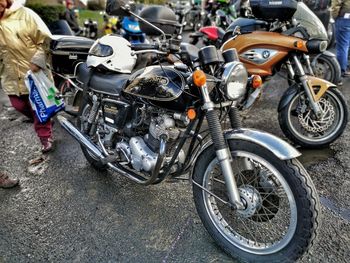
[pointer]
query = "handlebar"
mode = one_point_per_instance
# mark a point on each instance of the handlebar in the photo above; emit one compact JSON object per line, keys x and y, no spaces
{"x":165,"y":47}
{"x":142,"y":47}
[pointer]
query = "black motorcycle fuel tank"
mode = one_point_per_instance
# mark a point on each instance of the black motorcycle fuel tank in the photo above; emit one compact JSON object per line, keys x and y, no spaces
{"x":161,"y":85}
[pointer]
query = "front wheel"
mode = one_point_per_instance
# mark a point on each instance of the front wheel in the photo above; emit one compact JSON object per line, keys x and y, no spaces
{"x":300,"y":125}
{"x":281,"y":212}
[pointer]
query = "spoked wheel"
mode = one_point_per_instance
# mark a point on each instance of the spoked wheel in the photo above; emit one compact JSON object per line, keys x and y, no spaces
{"x":279,"y":221}
{"x":299,"y":123}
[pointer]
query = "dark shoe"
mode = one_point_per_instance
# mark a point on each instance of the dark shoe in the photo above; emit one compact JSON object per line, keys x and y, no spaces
{"x":47,"y":145}
{"x":6,"y":182}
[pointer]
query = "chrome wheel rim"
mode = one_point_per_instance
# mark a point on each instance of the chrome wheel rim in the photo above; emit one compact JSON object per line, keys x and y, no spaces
{"x":253,"y":231}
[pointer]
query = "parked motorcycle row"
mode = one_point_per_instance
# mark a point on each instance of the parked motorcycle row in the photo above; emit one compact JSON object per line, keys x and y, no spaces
{"x":154,"y":111}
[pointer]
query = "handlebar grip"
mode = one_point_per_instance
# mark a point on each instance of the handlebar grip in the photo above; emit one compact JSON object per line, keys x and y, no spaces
{"x":139,"y":47}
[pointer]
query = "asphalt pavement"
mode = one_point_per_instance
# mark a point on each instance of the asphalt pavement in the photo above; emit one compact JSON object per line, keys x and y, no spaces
{"x":65,"y":211}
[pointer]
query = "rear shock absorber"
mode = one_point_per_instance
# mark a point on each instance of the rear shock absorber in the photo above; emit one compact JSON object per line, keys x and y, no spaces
{"x":92,"y":115}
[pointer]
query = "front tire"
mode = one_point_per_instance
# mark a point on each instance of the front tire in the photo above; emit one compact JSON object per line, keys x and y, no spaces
{"x":299,"y":125}
{"x":248,"y":235}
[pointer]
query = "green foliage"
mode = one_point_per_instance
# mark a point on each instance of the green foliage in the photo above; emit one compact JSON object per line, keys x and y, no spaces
{"x":48,"y":13}
{"x":96,"y":5}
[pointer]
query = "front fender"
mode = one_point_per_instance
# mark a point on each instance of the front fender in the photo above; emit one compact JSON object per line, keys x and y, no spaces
{"x":278,"y":147}
{"x":317,"y":86}
{"x":287,"y":96}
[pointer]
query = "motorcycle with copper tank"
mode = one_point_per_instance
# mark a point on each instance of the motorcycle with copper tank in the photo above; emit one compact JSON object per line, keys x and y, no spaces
{"x":253,"y":196}
{"x":323,"y":65}
{"x":312,"y":112}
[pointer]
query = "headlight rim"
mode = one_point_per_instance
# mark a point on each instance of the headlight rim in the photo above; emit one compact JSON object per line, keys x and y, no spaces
{"x":226,"y":75}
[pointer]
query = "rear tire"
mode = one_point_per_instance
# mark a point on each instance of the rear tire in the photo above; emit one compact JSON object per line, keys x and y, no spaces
{"x":291,"y":177}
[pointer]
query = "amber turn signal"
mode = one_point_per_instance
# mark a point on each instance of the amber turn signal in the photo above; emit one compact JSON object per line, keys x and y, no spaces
{"x":191,"y":114}
{"x":256,"y":81}
{"x":199,"y":78}
{"x":298,"y":44}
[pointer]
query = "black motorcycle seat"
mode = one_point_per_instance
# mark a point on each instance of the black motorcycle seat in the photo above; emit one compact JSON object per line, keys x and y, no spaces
{"x":190,"y":50}
{"x":109,"y":83}
{"x":102,"y":81}
{"x":82,"y":73}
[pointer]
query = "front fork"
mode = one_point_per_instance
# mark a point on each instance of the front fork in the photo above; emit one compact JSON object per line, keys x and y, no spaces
{"x":222,"y":150}
{"x":308,"y":90}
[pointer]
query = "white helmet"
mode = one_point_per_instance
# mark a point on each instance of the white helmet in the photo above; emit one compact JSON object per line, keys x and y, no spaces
{"x":113,"y":52}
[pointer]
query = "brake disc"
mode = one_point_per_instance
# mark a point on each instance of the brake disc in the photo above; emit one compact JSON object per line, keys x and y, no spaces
{"x":307,"y":121}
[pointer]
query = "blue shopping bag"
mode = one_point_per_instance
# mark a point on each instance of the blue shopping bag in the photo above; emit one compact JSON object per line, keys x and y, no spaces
{"x":42,"y":95}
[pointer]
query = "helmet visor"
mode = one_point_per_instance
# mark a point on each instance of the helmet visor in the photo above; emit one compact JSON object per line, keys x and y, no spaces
{"x":100,"y":50}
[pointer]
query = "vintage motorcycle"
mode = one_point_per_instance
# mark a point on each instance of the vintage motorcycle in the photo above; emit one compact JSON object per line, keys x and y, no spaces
{"x":252,"y":195}
{"x":312,"y":112}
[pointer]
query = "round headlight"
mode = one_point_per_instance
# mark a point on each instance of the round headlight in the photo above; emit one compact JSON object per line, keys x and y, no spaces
{"x":323,"y":46}
{"x":235,"y":78}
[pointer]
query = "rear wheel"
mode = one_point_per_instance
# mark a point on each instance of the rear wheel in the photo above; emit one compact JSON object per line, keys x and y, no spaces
{"x":281,"y":212}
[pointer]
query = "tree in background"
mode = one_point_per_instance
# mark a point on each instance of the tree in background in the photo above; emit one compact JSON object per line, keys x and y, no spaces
{"x":96,"y":4}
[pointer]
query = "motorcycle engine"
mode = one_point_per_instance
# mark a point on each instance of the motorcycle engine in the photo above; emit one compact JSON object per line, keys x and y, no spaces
{"x":143,"y":151}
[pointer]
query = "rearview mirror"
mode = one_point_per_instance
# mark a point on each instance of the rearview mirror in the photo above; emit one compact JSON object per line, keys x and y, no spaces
{"x":117,"y":7}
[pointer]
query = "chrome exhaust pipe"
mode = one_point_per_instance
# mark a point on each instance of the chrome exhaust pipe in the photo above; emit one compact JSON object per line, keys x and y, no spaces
{"x":72,"y":130}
